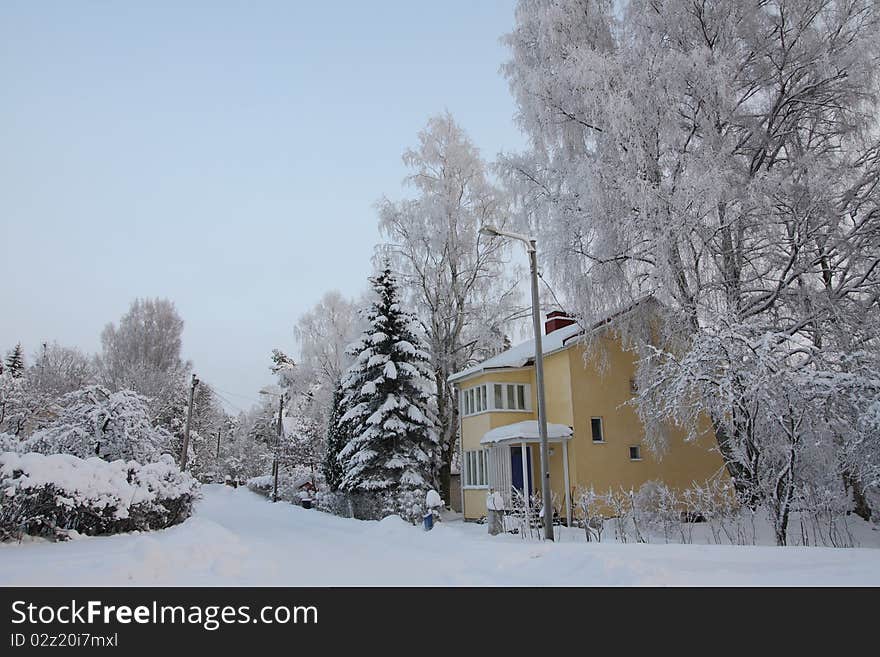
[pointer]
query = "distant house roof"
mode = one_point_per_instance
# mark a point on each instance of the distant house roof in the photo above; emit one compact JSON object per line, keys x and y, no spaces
{"x":524,"y":353}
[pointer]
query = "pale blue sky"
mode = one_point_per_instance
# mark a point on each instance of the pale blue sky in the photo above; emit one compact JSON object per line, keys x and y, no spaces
{"x":225,"y":155}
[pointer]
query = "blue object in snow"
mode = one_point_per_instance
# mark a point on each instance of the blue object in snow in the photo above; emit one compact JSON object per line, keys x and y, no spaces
{"x":429,"y":521}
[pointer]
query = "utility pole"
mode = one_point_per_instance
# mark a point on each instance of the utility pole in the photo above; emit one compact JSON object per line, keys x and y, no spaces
{"x":542,"y":405}
{"x":278,"y":445}
{"x":189,"y":412}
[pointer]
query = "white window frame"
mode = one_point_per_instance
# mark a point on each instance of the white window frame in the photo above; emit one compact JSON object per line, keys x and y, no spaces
{"x":475,"y":473}
{"x":481,"y":398}
{"x":601,"y":430}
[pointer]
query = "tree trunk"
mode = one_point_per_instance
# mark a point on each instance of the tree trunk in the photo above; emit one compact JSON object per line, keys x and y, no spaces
{"x":743,"y":480}
{"x":444,"y":480}
{"x":861,"y":507}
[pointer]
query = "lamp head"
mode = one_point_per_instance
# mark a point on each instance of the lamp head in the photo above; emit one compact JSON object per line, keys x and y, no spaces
{"x":489,"y":231}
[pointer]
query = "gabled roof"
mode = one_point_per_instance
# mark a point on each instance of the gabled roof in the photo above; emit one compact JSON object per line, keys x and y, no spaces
{"x":524,"y":353}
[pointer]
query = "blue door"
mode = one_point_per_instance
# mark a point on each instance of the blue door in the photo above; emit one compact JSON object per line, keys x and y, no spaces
{"x":516,"y":473}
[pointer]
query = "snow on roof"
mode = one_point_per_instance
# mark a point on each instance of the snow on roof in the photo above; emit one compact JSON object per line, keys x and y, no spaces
{"x":522,"y":353}
{"x":527,"y":430}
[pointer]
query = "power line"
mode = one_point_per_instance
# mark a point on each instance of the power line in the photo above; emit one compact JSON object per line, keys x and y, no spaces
{"x":555,"y":298}
{"x":232,"y":404}
{"x":235,"y":394}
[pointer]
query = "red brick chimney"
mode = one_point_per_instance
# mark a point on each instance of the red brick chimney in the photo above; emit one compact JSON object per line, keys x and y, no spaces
{"x":556,"y":319}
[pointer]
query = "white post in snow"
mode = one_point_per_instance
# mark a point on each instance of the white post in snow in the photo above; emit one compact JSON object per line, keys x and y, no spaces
{"x":525,"y":473}
{"x":567,"y":485}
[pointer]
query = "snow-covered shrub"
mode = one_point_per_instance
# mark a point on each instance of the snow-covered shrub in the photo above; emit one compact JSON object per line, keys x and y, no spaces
{"x":523,"y":518}
{"x":410,"y":504}
{"x":290,"y":484}
{"x":263,"y":485}
{"x":619,"y":505}
{"x":657,"y":509}
{"x":54,"y":495}
{"x":822,"y":515}
{"x":96,"y":422}
{"x":590,"y":504}
{"x":335,"y":502}
{"x":9,"y":443}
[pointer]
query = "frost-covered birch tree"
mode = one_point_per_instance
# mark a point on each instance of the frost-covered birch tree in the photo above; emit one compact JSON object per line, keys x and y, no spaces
{"x":724,"y":158}
{"x":388,"y":393}
{"x":143,"y":353}
{"x":323,"y":334}
{"x":453,"y":276}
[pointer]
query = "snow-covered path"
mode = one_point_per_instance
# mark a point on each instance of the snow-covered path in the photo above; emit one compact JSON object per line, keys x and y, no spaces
{"x":239,"y":538}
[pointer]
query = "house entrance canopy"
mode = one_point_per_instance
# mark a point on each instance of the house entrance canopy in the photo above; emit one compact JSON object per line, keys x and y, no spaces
{"x":498,"y":442}
{"x":525,"y":432}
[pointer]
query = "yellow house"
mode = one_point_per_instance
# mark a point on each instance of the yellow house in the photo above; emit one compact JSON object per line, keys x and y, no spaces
{"x":596,"y":438}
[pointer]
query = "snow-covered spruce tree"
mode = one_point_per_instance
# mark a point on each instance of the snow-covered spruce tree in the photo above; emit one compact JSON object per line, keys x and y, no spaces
{"x":15,"y":362}
{"x":96,"y":422}
{"x":391,"y":454}
{"x":722,"y":158}
{"x":337,"y":437}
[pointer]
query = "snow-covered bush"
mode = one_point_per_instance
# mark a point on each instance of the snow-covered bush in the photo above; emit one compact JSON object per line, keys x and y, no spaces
{"x":54,"y":495}
{"x":523,"y":518}
{"x":9,"y":443}
{"x":409,"y":504}
{"x":658,"y":509}
{"x":96,"y":422}
{"x":290,"y":484}
{"x":264,"y":484}
{"x":590,"y":504}
{"x":335,"y":502}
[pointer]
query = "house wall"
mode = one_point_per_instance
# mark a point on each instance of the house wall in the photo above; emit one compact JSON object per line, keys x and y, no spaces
{"x":580,"y":386}
{"x":601,"y":388}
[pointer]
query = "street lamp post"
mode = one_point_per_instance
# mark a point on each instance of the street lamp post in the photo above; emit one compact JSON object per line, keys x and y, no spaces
{"x":539,"y":372}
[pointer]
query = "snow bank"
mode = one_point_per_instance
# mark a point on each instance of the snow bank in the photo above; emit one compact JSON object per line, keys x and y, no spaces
{"x":236,"y":539}
{"x":52,"y":495}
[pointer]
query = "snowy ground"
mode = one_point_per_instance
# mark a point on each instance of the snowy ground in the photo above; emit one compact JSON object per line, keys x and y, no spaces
{"x":239,"y":538}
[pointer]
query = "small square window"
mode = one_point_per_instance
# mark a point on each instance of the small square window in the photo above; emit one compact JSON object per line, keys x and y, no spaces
{"x":597,"y":430}
{"x":635,"y":453}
